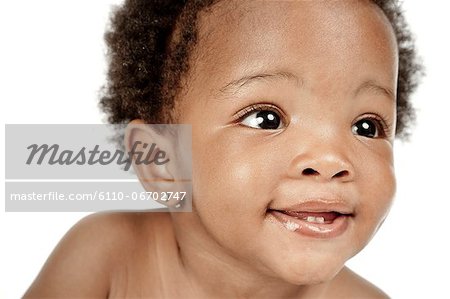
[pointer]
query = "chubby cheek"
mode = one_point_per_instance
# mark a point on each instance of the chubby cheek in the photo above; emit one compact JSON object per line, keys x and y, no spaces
{"x":377,"y":193}
{"x":232,"y":181}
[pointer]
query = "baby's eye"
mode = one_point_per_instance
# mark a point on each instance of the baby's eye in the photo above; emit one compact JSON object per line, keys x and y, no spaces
{"x":368,"y":127}
{"x":262,"y":119}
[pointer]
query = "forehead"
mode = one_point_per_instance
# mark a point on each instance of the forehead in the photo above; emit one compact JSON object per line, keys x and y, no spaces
{"x":319,"y":37}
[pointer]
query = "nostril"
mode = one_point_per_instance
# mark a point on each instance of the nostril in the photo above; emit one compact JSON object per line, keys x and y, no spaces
{"x":309,"y":171}
{"x":341,"y":174}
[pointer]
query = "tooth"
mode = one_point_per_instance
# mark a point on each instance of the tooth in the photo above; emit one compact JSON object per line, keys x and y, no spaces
{"x":314,"y":219}
{"x":292,"y":226}
{"x":311,"y":219}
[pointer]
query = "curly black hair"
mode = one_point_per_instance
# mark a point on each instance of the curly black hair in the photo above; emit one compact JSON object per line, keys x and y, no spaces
{"x":150,"y":41}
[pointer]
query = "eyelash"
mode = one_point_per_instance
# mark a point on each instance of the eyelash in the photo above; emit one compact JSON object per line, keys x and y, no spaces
{"x":383,"y":124}
{"x":241,"y":115}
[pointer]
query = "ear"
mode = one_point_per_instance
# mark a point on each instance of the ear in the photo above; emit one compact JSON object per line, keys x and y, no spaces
{"x":154,"y":159}
{"x":149,"y":151}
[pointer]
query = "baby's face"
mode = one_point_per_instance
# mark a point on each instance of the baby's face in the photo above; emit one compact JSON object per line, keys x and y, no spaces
{"x":292,"y":106}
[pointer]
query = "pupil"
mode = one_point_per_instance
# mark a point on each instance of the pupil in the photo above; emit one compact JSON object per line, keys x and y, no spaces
{"x":366,"y":128}
{"x":268,"y":120}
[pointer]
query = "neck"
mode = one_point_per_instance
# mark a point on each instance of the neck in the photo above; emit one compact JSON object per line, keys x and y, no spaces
{"x":214,"y":272}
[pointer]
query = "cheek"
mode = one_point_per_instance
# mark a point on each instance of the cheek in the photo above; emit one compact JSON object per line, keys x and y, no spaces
{"x":377,"y":193}
{"x":232,"y":182}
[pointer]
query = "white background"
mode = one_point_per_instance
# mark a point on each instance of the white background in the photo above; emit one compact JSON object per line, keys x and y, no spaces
{"x":52,"y":66}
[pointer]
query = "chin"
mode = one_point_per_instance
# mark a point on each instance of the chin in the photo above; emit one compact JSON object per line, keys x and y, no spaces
{"x":312,"y":271}
{"x":311,"y":278}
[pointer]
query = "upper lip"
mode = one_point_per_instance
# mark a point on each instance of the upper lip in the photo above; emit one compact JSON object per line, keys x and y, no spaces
{"x":318,"y":205}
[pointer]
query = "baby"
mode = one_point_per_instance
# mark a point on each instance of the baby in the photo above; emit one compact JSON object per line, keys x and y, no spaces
{"x":294,"y":107}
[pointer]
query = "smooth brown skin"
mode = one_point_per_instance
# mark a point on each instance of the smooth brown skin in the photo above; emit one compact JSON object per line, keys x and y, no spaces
{"x":229,"y":247}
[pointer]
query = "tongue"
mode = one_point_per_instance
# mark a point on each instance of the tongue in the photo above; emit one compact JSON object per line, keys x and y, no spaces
{"x":328,"y":216}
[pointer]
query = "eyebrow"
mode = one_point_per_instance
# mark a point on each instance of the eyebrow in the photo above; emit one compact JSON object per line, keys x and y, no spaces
{"x":237,"y":84}
{"x":373,"y":86}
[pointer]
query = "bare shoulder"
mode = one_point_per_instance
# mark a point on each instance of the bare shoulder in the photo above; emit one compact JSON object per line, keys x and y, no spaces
{"x":351,"y":285}
{"x":83,"y":262}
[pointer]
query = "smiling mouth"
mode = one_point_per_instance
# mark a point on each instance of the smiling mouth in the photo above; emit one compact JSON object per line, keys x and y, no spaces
{"x":314,"y":217}
{"x":318,"y":224}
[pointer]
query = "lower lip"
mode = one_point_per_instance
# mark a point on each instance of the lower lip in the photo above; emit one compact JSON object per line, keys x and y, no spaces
{"x":315,"y":230}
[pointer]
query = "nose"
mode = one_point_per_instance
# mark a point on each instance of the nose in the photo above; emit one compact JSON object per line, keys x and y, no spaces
{"x":320,"y":165}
